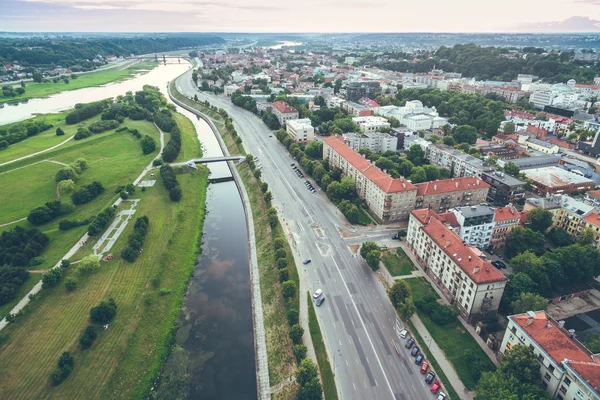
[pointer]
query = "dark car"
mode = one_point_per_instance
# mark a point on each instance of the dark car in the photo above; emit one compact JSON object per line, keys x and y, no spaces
{"x":320,"y":301}
{"x":419,"y":359}
{"x":307,"y":261}
{"x":499,"y":264}
{"x":430,"y":377}
{"x":409,"y":343}
{"x":415,"y":351}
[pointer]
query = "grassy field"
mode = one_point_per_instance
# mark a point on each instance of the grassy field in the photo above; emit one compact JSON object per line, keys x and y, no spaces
{"x":35,"y":90}
{"x":397,"y":262}
{"x":457,"y":344}
{"x":329,"y":389}
{"x":190,"y":147}
{"x":127,"y":357}
{"x":363,"y":218}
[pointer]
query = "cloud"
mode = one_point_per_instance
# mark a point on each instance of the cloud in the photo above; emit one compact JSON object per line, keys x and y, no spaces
{"x":159,"y":5}
{"x":592,"y":2}
{"x":573,"y":24}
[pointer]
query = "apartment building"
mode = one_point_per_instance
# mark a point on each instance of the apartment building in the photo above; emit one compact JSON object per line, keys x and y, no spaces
{"x":390,"y":199}
{"x":300,"y":130}
{"x":568,"y":369}
{"x":461,"y":164}
{"x":539,"y":145}
{"x":370,"y":123}
{"x":505,"y":219}
{"x":377,"y":142}
{"x":476,"y":224}
{"x":284,"y":112}
{"x":467,"y":281}
{"x":574,"y":216}
{"x":503,"y":187}
{"x":442,"y":195}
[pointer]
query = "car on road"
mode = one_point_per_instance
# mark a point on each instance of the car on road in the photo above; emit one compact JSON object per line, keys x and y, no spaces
{"x":307,"y":261}
{"x":403,"y":333}
{"x":419,"y":359}
{"x":396,"y":237}
{"x":270,"y":135}
{"x":409,"y":343}
{"x":424,"y":367}
{"x":320,"y":301}
{"x":293,"y":165}
{"x":430,"y":377}
{"x":498,"y":264}
{"x":441,"y":396}
{"x":435,"y":387}
{"x":317,"y":293}
{"x":415,"y":351}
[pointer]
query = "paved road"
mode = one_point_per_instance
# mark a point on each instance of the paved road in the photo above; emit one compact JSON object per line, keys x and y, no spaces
{"x":357,"y":318}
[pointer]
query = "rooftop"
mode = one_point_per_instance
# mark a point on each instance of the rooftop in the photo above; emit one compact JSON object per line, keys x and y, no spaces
{"x":538,"y":160}
{"x":555,"y":177}
{"x":506,"y":213}
{"x":589,"y":372}
{"x":450,"y":185}
{"x":475,"y":211}
{"x":478,"y":270}
{"x":299,"y":123}
{"x":594,"y":193}
{"x":370,"y":171}
{"x":283,"y":107}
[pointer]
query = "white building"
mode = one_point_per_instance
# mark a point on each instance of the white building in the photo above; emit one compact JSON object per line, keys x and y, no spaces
{"x":468,"y":281}
{"x":476,"y":224}
{"x":377,"y":142}
{"x":300,"y":130}
{"x":568,"y":369}
{"x":370,"y":123}
{"x":414,"y":115}
{"x":230,"y":89}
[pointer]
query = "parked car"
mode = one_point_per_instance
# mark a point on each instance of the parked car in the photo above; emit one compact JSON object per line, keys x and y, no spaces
{"x":442,"y":396}
{"x":435,"y":387}
{"x":424,"y":367}
{"x":320,"y":301}
{"x":317,"y":293}
{"x":293,"y":165}
{"x":498,"y":264}
{"x":396,"y":237}
{"x":403,"y":333}
{"x":415,"y":351}
{"x":430,"y":377}
{"x":409,"y":343}
{"x":419,"y":359}
{"x":307,"y":261}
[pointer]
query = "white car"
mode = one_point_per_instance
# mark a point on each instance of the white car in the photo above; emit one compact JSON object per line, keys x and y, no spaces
{"x":403,"y":333}
{"x":441,"y":396}
{"x":317,"y":293}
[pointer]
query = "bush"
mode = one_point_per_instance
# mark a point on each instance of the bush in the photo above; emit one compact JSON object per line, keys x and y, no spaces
{"x":281,"y":263}
{"x":148,"y":144}
{"x":279,"y":243}
{"x":11,"y":279}
{"x":71,"y":283}
{"x":64,"y":264}
{"x":157,"y":162}
{"x":59,"y":132}
{"x":280,"y":253}
{"x":66,"y":173}
{"x":64,"y":367}
{"x":104,"y":312}
{"x":439,"y":313}
{"x":288,"y":289}
{"x":51,"y":278}
{"x":85,"y":111}
{"x":292,"y":316}
{"x":300,"y":352}
{"x":170,"y":182}
{"x":296,"y":332}
{"x":171,"y":150}
{"x":175,"y":194}
{"x":88,"y":337}
{"x":136,"y":240}
{"x":284,"y":275}
{"x":103,"y":126}
{"x":82,"y":133}
{"x":87,"y":193}
{"x":65,"y":224}
{"x":88,"y":265}
{"x":45,"y":213}
{"x":101,"y":220}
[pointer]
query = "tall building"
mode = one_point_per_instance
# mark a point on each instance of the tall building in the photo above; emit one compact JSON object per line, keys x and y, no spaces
{"x":358,"y":89}
{"x":467,"y":281}
{"x":377,"y":142}
{"x":300,"y":130}
{"x":476,"y":224}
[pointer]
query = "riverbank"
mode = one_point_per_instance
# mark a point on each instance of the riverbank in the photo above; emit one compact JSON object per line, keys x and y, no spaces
{"x":34,"y":90}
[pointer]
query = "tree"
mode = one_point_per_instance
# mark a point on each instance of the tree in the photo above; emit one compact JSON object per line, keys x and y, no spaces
{"x":539,"y":220}
{"x":66,"y":186}
{"x":88,"y":337}
{"x":59,"y":131}
{"x":51,"y":278}
{"x":64,"y":367}
{"x":148,"y":144}
{"x":66,"y":173}
{"x":367,"y":247}
{"x":104,"y":312}
{"x":306,"y":372}
{"x":521,"y":239}
{"x":373,"y":258}
{"x":560,"y":238}
{"x":296,"y":332}
{"x":399,"y":293}
{"x":509,"y":128}
{"x":300,"y":352}
{"x":88,"y":265}
{"x":512,"y":169}
{"x":37,"y":77}
{"x":71,"y":283}
{"x":175,"y":193}
{"x":311,"y":390}
{"x":529,"y":302}
{"x":415,"y":154}
{"x":288,"y":289}
{"x":465,"y":134}
{"x":195,"y":97}
{"x":517,"y":284}
{"x":521,"y":363}
{"x":337,"y":86}
{"x":406,"y":309}
{"x":586,"y":237}
{"x":449,"y":141}
{"x":293,"y":316}
{"x":418,"y":175}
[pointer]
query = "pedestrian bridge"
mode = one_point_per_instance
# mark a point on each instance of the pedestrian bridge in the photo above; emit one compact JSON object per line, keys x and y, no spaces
{"x":207,"y":160}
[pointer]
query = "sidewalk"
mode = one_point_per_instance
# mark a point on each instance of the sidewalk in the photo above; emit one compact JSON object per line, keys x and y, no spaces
{"x":441,"y":359}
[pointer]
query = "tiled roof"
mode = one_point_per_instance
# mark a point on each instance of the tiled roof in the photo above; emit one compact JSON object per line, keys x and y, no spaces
{"x":594,"y":193}
{"x":450,"y":185}
{"x":462,"y":254}
{"x":506,"y":213}
{"x":593,"y":219}
{"x":589,"y":371}
{"x":370,"y":171}
{"x":551,"y":337}
{"x":283,"y":107}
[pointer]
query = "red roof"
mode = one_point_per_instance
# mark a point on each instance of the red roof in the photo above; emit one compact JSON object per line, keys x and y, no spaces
{"x":370,"y":171}
{"x":450,"y":185}
{"x":593,"y":219}
{"x":283,"y":107}
{"x":594,"y":193}
{"x":506,"y":213}
{"x":552,"y":338}
{"x":368,"y":102}
{"x":462,"y":254}
{"x":589,"y":371}
{"x":518,"y":114}
{"x":537,"y":131}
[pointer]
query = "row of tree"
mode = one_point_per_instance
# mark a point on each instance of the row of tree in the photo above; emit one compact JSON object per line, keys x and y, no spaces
{"x":46,"y":213}
{"x":101,"y":221}
{"x":136,"y":240}
{"x":21,"y":131}
{"x":87,"y":193}
{"x":170,"y":182}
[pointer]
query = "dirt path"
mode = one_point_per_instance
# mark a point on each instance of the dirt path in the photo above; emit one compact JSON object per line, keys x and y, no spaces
{"x":13,"y":222}
{"x":35,"y":154}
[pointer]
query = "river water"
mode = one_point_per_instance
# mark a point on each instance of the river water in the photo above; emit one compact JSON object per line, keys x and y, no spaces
{"x":214,"y":353}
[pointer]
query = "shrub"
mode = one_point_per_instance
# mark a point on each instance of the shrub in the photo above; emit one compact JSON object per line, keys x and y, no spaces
{"x":71,"y":283}
{"x":64,"y":367}
{"x":64,"y":264}
{"x":300,"y":352}
{"x":11,"y":279}
{"x":164,"y":291}
{"x":157,"y":162}
{"x":59,"y":131}
{"x":280,"y":253}
{"x":51,"y":278}
{"x":281,"y":263}
{"x":104,"y":312}
{"x":171,"y":150}
{"x":82,"y":133}
{"x":101,"y":220}
{"x":88,"y":337}
{"x":124,"y":195}
{"x":87,"y":193}
{"x":45,"y":213}
{"x":175,"y":194}
{"x":88,"y":265}
{"x":136,"y":240}
{"x":279,"y":243}
{"x":264,"y":187}
{"x":85,"y":111}
{"x":148,"y":144}
{"x":292,"y":316}
{"x":284,"y":275}
{"x":296,"y":332}
{"x":288,"y":289}
{"x":439,"y":313}
{"x":66,"y":173}
{"x":65,"y":224}
{"x":103,"y":126}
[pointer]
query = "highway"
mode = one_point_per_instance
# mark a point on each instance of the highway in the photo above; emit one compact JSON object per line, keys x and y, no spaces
{"x":357,"y":318}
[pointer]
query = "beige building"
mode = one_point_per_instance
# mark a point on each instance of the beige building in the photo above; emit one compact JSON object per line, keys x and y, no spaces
{"x":506,"y":218}
{"x":568,"y":369}
{"x":300,"y":130}
{"x":284,"y":112}
{"x":467,"y":281}
{"x":442,"y":195}
{"x":390,"y":199}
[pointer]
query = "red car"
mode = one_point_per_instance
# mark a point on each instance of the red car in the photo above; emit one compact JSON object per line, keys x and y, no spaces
{"x":424,"y":367}
{"x":435,"y":387}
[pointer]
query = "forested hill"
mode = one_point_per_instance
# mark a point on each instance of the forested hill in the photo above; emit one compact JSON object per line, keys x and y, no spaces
{"x":496,"y":63}
{"x":68,"y":52}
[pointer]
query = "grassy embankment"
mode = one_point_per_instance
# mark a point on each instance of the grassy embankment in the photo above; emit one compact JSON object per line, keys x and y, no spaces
{"x":279,"y":346}
{"x":457,"y":344}
{"x":397,"y":262}
{"x":35,"y":90}
{"x":329,"y":389}
{"x":126,"y":358}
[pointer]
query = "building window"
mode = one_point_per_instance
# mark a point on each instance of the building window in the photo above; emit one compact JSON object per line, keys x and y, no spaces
{"x":547,"y":376}
{"x":544,"y":385}
{"x":567,"y":381}
{"x":579,"y":393}
{"x":551,"y":368}
{"x":563,"y":390}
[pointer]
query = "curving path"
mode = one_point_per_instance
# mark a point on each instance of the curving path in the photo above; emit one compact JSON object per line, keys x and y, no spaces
{"x":35,"y":154}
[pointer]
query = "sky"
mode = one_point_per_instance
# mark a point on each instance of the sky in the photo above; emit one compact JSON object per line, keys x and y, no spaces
{"x":299,"y":16}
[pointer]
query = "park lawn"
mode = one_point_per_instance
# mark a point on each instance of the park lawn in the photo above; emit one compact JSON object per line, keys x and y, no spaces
{"x":190,"y":146}
{"x":329,"y":389}
{"x":363,"y":218}
{"x":35,"y":90}
{"x":397,"y":263}
{"x":126,"y":358}
{"x":457,"y":344}
{"x":23,"y":290}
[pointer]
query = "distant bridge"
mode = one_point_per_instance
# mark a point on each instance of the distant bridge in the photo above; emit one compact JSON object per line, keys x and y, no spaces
{"x":207,"y":160}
